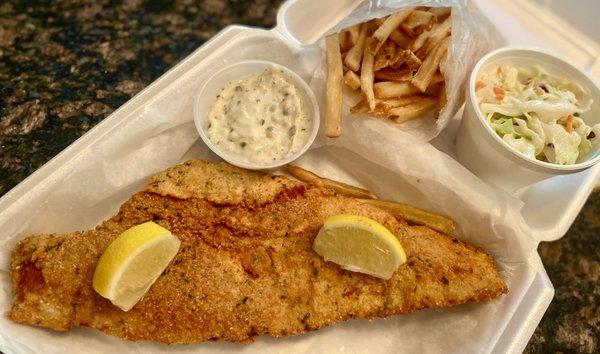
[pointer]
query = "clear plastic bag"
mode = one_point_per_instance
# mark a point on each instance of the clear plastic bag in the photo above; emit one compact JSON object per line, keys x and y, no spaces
{"x":472,"y":36}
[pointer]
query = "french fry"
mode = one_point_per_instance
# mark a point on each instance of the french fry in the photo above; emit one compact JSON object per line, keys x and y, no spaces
{"x":438,"y":33}
{"x":378,"y":113}
{"x":415,"y":215}
{"x":426,"y":72}
{"x":440,"y":12}
{"x":354,"y":56}
{"x":442,"y":99}
{"x":434,"y":89}
{"x":388,"y":89}
{"x":383,"y":106}
{"x":411,"y":59}
{"x":347,"y":190}
{"x":407,"y":106}
{"x":420,"y":41}
{"x":405,"y":56}
{"x":397,"y":60}
{"x":363,"y":108}
{"x":413,"y":110}
{"x":380,"y":21}
{"x":339,"y":187}
{"x":388,"y":26}
{"x":399,"y":38}
{"x":353,"y":33}
{"x":303,"y":175}
{"x":381,"y":61}
{"x":333,"y":104}
{"x":385,"y":55}
{"x":417,"y":18}
{"x":344,"y":41}
{"x":381,"y":110}
{"x":407,"y":212}
{"x":405,"y":74}
{"x":389,"y":49}
{"x":400,"y":101}
{"x":436,"y":79}
{"x":352,"y":80}
{"x":367,"y":74}
{"x":348,"y":38}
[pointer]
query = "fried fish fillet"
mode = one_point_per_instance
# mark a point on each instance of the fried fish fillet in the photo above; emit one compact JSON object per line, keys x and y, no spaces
{"x":245,"y":266}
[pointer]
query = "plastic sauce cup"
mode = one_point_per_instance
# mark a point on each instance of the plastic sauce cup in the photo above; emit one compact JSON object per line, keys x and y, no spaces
{"x":213,"y":86}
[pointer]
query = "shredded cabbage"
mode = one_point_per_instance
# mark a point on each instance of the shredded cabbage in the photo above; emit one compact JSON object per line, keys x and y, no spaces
{"x":537,"y":114}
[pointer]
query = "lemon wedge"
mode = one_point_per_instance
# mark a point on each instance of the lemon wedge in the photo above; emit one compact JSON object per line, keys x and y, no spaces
{"x":359,"y":244}
{"x":132,"y":262}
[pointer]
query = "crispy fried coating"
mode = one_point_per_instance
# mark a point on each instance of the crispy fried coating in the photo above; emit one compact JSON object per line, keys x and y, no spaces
{"x":245,"y":266}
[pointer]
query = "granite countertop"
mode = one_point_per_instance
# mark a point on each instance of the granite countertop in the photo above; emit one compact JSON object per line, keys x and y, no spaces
{"x":64,"y":66}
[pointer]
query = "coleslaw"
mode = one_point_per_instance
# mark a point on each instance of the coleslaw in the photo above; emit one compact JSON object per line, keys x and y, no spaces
{"x":537,"y":114}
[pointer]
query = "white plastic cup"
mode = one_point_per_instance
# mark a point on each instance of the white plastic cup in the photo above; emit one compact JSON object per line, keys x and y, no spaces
{"x":493,"y":160}
{"x":213,"y":86}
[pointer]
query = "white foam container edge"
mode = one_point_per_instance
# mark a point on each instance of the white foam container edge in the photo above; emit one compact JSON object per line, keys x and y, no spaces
{"x":291,"y":17}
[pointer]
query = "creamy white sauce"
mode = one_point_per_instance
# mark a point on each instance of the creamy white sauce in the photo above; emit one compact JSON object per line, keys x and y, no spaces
{"x":259,"y":119}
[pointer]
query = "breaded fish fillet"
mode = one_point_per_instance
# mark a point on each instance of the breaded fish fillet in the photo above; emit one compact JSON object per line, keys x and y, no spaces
{"x":245,"y":266}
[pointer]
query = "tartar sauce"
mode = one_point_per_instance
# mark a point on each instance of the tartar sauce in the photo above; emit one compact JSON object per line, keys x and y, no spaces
{"x":260,"y":118}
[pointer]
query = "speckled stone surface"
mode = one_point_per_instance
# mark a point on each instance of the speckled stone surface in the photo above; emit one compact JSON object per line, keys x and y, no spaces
{"x":66,"y":65}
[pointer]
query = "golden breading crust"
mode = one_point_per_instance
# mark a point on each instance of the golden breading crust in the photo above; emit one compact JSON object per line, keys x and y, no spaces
{"x":245,"y":267}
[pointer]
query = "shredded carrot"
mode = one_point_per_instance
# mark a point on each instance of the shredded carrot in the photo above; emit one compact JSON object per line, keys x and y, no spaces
{"x":499,"y":71}
{"x":569,"y":124}
{"x":479,"y":85}
{"x":499,"y":92}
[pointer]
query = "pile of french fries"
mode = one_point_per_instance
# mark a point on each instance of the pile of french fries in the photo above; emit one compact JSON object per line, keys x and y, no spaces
{"x":403,"y":211}
{"x":394,"y":61}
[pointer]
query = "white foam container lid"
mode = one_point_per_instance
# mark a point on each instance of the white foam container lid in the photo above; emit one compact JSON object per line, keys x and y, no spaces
{"x":304,"y":22}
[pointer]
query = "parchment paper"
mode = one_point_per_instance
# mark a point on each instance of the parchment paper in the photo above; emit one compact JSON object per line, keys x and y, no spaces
{"x":161,"y":133}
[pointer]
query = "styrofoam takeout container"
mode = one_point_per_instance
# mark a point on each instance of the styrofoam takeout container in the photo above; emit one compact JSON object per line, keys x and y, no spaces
{"x":35,"y":205}
{"x":492,"y":159}
{"x":213,"y":85}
